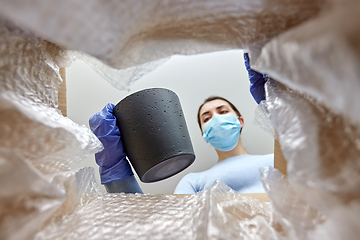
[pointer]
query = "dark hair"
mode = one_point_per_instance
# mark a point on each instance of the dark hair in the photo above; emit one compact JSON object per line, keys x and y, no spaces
{"x":212,"y":98}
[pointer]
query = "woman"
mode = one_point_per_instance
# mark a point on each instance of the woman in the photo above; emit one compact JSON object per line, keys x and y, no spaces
{"x":221,"y":124}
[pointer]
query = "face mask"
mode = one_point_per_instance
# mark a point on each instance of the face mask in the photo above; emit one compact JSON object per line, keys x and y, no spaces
{"x":223,"y":131}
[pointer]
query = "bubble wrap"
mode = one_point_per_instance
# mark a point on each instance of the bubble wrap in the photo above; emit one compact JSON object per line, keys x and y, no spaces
{"x":30,"y":200}
{"x":320,"y":58}
{"x":318,"y":128}
{"x":262,"y":119}
{"x":30,"y":123}
{"x":127,"y":33}
{"x":318,"y":125}
{"x":322,"y":152}
{"x":119,"y":78}
{"x":292,"y":218}
{"x":27,"y":199}
{"x":322,"y":149}
{"x":138,"y":216}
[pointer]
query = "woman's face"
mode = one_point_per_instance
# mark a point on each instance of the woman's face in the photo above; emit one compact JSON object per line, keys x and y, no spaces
{"x":217,"y":106}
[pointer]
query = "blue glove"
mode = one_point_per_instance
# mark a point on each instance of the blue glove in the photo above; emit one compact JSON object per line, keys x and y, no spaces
{"x":112,"y":160}
{"x":257,"y":81}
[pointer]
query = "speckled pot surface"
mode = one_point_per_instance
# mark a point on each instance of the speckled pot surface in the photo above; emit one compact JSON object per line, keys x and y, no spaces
{"x":154,"y":133}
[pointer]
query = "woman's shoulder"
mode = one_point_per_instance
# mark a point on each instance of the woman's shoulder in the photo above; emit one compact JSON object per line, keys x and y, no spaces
{"x":267,"y":159}
{"x":250,"y":156}
{"x":246,"y":159}
{"x":198,"y":176}
{"x":264,"y":156}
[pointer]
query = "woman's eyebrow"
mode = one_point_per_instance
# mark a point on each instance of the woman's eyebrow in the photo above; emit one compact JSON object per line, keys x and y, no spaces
{"x":205,"y":113}
{"x":220,"y":107}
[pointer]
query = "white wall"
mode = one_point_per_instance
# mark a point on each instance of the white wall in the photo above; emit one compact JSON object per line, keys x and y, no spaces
{"x":193,"y":78}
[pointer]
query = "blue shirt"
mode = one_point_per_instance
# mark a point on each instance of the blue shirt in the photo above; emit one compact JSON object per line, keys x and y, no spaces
{"x":241,"y":173}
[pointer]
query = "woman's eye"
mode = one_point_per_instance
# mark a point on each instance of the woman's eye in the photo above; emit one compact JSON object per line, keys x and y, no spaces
{"x":206,"y":119}
{"x":224,"y":111}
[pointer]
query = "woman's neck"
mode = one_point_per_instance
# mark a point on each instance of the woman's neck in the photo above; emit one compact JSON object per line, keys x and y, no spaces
{"x":238,"y":150}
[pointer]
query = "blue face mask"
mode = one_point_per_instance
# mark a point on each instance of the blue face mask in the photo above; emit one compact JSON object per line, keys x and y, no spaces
{"x":222,"y":131}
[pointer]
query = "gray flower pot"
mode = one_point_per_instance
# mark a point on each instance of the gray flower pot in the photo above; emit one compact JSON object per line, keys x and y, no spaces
{"x":154,"y":133}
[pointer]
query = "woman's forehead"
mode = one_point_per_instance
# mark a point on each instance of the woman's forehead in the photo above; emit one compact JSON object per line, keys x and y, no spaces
{"x":210,"y":106}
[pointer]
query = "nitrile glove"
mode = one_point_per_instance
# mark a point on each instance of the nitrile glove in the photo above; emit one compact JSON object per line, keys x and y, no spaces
{"x":112,"y":160}
{"x":257,"y":81}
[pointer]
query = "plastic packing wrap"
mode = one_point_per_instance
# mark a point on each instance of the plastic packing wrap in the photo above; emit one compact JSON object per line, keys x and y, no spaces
{"x":138,"y":216}
{"x":36,"y":140}
{"x":124,"y":34}
{"x":119,"y":78}
{"x":322,"y":149}
{"x":317,"y":120}
{"x":29,"y":199}
{"x":262,"y":119}
{"x":30,"y":122}
{"x":322,"y":153}
{"x":320,"y":58}
{"x":292,"y":217}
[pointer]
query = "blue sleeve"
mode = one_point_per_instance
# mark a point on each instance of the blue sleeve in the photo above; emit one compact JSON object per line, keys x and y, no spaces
{"x":257,"y":81}
{"x":185,"y":186}
{"x":127,"y":185}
